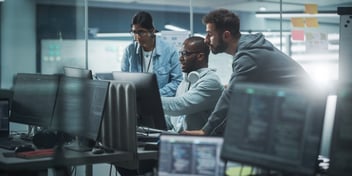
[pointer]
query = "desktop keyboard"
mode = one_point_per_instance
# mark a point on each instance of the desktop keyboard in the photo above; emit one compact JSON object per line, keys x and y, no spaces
{"x":10,"y":144}
{"x":146,"y":134}
{"x":148,"y":130}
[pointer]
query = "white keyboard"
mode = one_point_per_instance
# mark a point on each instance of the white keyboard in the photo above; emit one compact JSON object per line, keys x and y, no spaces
{"x":148,"y":130}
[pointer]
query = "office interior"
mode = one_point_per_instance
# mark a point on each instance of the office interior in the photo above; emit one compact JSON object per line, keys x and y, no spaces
{"x":42,"y":36}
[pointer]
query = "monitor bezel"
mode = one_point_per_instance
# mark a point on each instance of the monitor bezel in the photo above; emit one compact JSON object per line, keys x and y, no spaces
{"x":166,"y":140}
{"x":31,"y":119}
{"x":146,"y":89}
{"x":340,"y":142}
{"x":316,"y":102}
{"x":83,"y":132}
{"x":78,"y":72}
{"x":5,"y":132}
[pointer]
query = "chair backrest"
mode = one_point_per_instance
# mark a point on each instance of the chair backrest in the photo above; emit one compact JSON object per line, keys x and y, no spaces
{"x":118,"y":129}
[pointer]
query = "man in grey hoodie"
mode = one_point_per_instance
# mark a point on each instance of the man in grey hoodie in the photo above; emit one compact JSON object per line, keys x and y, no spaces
{"x":254,"y":60}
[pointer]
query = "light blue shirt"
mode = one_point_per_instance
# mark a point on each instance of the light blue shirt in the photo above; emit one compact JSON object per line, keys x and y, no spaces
{"x":165,"y":62}
{"x":194,"y":102}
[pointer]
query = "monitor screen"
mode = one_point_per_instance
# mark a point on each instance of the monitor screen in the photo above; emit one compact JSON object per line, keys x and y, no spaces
{"x":149,"y":109}
{"x":275,"y":128}
{"x":341,"y":140}
{"x":190,"y":155}
{"x":34,"y":98}
{"x":79,"y":107}
{"x":78,"y":72}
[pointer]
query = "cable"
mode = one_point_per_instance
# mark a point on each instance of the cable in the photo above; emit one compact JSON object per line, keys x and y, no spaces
{"x":241,"y":169}
{"x":225,"y":167}
{"x":251,"y":171}
{"x":110,"y":169}
{"x":73,"y":171}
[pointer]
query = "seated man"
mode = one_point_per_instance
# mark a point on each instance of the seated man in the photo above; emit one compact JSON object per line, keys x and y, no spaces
{"x":198,"y":92}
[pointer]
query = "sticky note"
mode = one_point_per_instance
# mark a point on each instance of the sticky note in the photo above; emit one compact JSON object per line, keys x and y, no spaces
{"x":297,"y":22}
{"x":297,"y":35}
{"x":311,"y":8}
{"x":312,"y":22}
{"x":316,"y":42}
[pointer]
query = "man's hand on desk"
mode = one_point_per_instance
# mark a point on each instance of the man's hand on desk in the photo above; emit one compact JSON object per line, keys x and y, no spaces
{"x":194,"y":132}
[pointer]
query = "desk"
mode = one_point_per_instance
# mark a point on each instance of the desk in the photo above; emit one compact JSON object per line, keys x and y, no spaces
{"x":147,"y":154}
{"x":69,"y":158}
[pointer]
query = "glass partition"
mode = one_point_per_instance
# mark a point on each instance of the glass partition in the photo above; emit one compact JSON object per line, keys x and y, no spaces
{"x":48,"y":35}
{"x":43,"y":36}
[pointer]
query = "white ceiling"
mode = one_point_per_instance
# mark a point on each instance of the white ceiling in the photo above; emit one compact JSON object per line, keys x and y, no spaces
{"x":234,"y":5}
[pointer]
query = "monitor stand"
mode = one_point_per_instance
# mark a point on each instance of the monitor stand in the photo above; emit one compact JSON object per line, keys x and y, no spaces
{"x":81,"y":145}
{"x":31,"y":131}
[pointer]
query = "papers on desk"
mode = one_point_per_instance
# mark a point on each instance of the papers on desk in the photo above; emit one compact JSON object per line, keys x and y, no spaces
{"x":40,"y":153}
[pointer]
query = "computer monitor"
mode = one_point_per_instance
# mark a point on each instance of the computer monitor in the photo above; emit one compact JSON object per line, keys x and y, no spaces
{"x":328,"y":125}
{"x":34,"y":98}
{"x":78,"y":72}
{"x":104,"y":76}
{"x":149,"y":108}
{"x":79,"y":107}
{"x":4,"y":117}
{"x":275,"y":128}
{"x":341,"y":140}
{"x":190,"y":155}
{"x":5,"y":103}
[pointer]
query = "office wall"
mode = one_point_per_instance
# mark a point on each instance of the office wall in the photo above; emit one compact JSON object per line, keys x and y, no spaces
{"x":23,"y":32}
{"x":18,"y":49}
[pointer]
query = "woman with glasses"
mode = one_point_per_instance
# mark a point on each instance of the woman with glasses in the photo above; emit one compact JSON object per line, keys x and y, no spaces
{"x":149,"y":53}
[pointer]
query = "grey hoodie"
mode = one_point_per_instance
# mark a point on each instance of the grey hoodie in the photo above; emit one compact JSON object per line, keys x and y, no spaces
{"x":257,"y":61}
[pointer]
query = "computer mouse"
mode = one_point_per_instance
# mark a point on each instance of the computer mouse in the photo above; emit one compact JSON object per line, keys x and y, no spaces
{"x":24,"y":148}
{"x":97,"y":150}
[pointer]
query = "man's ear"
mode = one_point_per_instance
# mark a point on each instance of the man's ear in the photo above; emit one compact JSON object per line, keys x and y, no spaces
{"x":226,"y":35}
{"x":200,"y":56}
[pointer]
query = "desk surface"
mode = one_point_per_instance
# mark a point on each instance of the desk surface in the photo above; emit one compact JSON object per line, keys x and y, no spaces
{"x":147,"y":154}
{"x":69,"y":158}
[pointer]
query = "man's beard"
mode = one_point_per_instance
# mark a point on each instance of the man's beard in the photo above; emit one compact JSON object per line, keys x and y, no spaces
{"x":220,"y":48}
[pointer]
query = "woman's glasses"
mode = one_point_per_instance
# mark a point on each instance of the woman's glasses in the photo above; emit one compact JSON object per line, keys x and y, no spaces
{"x":141,"y":33}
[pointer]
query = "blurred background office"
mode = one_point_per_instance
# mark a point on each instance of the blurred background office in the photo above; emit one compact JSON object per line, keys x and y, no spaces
{"x":43,"y":36}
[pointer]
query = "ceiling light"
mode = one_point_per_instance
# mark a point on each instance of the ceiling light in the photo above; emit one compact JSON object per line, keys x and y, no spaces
{"x":328,"y":14}
{"x":174,"y":28}
{"x":113,"y":35}
{"x":262,"y":9}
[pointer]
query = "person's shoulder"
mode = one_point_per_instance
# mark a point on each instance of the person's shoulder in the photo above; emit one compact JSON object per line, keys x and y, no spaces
{"x":212,"y":77}
{"x":162,"y":43}
{"x":131,"y":46}
{"x":244,"y":63}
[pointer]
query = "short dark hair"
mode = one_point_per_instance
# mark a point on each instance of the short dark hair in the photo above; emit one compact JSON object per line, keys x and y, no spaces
{"x":224,"y":20}
{"x":144,"y":19}
{"x":198,"y":42}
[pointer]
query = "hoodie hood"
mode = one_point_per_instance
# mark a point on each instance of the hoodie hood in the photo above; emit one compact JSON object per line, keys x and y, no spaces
{"x":253,"y":41}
